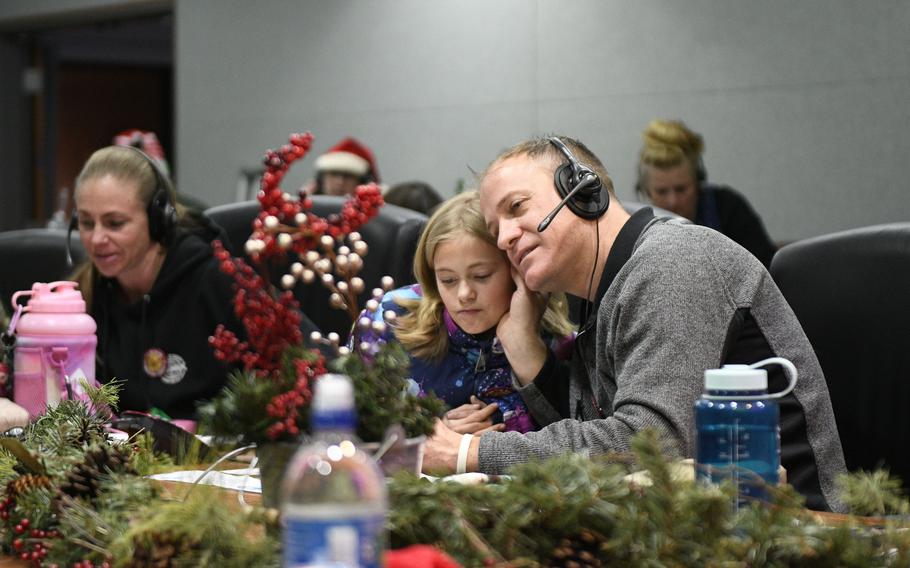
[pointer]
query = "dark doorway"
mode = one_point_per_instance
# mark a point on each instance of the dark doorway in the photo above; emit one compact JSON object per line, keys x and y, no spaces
{"x":97,"y":79}
{"x":95,"y":102}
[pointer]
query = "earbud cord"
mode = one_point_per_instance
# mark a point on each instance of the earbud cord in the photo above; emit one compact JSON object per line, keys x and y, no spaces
{"x":586,"y":312}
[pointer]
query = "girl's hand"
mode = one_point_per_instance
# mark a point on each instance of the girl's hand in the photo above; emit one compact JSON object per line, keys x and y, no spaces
{"x":473,"y":418}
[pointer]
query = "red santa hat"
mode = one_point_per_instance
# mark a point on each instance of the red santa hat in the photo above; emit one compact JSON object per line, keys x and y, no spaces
{"x":349,"y":156}
{"x":146,"y":141}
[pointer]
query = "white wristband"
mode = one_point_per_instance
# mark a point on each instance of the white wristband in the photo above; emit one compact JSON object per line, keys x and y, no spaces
{"x":461,"y":463}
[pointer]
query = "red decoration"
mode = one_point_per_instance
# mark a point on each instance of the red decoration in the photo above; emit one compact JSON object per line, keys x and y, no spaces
{"x":271,"y":319}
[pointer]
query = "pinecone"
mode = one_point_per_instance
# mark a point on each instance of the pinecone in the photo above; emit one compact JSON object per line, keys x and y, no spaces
{"x":84,"y":479}
{"x":25,"y":483}
{"x":162,"y":550}
{"x":578,"y":551}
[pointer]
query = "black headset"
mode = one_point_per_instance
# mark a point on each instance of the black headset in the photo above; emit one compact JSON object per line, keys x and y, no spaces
{"x":579,"y":186}
{"x":162,"y":213}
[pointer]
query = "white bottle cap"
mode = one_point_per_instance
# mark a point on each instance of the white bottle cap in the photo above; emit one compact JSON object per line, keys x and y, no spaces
{"x":736,"y":378}
{"x":333,"y":392}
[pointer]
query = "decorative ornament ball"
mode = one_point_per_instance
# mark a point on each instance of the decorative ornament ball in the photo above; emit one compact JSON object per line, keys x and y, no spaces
{"x":344,"y":250}
{"x":284,"y":240}
{"x":308,"y":276}
{"x":271,"y":222}
{"x":387,"y":282}
{"x":334,"y":337}
{"x":360,"y":247}
{"x":372,"y":305}
{"x":288,"y":281}
{"x":327,"y":242}
{"x":254,"y":246}
{"x":378,"y":327}
{"x":311,"y":257}
{"x":357,"y":284}
{"x":297,"y":269}
{"x":364,"y":323}
{"x":328,"y":279}
{"x":300,"y":218}
{"x":316,"y":336}
{"x":389,"y":315}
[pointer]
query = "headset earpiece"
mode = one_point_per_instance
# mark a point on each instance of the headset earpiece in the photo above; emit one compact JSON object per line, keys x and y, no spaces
{"x":162,"y":213}
{"x":162,"y":216}
{"x":589,"y":202}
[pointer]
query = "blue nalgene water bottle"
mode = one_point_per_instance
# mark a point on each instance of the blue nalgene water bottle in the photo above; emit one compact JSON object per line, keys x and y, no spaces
{"x":333,"y":495}
{"x":738,"y":428}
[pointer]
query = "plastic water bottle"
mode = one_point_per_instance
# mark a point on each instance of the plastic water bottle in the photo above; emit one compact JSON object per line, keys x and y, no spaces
{"x":738,"y":428}
{"x":55,"y":346}
{"x":334,"y":500}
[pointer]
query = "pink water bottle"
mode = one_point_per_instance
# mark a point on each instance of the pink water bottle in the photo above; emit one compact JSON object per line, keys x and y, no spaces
{"x":55,"y":347}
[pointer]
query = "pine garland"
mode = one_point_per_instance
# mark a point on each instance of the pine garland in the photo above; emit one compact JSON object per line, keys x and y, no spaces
{"x":567,"y":511}
{"x":579,"y":508}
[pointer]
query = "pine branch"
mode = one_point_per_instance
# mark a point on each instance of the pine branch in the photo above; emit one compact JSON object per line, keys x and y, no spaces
{"x":875,"y":493}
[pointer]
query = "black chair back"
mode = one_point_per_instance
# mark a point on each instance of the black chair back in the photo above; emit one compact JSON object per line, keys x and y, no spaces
{"x":391,"y":236}
{"x":851,"y":293}
{"x":34,"y":255}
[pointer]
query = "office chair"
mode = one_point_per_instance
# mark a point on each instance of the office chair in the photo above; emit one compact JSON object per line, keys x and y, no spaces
{"x":34,"y":255}
{"x":851,"y":292}
{"x":391,"y":236}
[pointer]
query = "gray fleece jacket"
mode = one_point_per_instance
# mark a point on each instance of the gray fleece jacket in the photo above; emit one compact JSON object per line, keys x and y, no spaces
{"x":673,"y":305}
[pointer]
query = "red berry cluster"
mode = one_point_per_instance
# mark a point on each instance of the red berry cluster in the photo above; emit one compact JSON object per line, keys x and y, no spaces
{"x":30,"y":544}
{"x":271,"y":323}
{"x":363,"y":207}
{"x":280,"y":213}
{"x":286,"y":406}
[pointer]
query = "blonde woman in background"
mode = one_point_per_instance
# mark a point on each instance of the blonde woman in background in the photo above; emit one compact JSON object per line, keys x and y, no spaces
{"x":672,"y":175}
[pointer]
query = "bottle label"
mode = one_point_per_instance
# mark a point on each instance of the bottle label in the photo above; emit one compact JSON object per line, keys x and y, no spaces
{"x":747,"y":455}
{"x":355,"y":541}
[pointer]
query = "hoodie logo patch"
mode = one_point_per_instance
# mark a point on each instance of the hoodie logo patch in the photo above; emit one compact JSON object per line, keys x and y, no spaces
{"x":176,"y":369}
{"x":154,"y":362}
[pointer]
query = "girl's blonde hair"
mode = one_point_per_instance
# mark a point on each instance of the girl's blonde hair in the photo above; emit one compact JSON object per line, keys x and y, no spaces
{"x":421,"y":330}
{"x":124,"y":164}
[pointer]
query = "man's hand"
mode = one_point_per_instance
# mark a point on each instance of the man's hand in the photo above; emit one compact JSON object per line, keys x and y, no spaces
{"x":519,"y":331}
{"x":12,"y":415}
{"x":473,"y":418}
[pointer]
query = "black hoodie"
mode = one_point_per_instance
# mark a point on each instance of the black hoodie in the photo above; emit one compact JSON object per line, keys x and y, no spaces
{"x":159,"y":345}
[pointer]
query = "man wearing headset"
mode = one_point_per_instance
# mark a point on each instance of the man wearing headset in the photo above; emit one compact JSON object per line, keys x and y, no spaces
{"x":665,"y":301}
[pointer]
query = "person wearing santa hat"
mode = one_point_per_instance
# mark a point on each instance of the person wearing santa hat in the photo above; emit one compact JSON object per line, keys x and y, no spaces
{"x":343,"y":167}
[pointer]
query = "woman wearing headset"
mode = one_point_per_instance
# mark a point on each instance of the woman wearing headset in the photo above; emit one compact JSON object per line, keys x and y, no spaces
{"x":671,"y":175}
{"x":152,"y":283}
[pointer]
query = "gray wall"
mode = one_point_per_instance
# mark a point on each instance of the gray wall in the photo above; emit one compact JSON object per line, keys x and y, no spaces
{"x":803,"y":104}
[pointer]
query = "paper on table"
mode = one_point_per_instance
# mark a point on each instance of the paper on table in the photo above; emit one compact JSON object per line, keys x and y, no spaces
{"x":236,"y":479}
